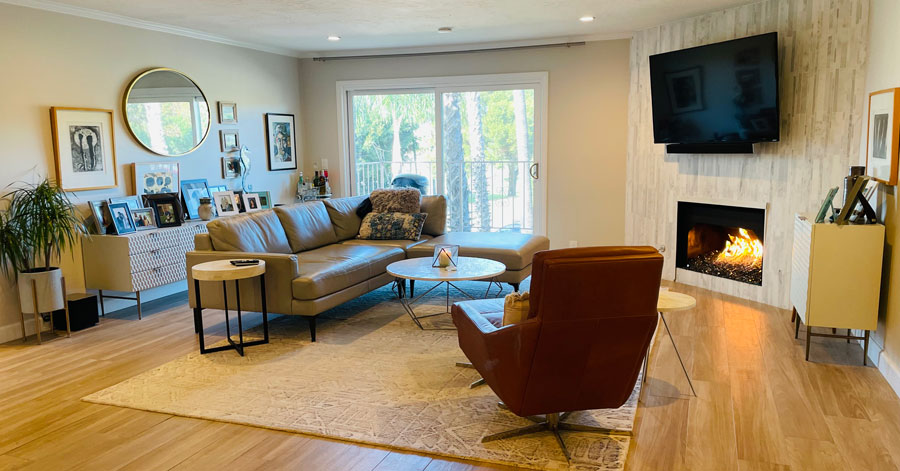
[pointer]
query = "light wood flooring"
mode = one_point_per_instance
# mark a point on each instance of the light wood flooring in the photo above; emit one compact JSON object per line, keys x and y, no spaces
{"x":759,"y":405}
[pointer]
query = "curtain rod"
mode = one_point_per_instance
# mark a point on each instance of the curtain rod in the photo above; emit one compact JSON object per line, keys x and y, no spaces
{"x":441,"y":53}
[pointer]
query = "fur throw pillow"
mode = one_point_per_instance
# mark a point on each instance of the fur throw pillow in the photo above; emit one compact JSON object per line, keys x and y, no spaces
{"x":392,"y":226}
{"x":515,"y":308}
{"x":396,"y":200}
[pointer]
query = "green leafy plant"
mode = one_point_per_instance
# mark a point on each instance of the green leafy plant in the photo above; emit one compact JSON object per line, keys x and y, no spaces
{"x":39,"y":222}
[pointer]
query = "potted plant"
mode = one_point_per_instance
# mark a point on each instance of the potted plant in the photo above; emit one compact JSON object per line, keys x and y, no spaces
{"x":37,"y":223}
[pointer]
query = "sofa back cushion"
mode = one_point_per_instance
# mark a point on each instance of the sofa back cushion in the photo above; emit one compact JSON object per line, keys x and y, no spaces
{"x":307,"y":225}
{"x":342,"y":212}
{"x":436,"y":208}
{"x":260,"y":231}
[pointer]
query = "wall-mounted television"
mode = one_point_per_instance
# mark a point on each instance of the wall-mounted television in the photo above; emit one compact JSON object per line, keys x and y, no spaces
{"x":720,"y":97}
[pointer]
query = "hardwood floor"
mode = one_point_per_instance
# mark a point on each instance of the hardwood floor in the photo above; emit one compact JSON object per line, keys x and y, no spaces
{"x":759,"y":406}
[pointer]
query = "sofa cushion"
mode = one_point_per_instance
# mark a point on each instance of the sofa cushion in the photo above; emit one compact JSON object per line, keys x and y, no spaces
{"x":512,"y":249}
{"x":396,"y":200}
{"x":331,"y":268}
{"x":401,"y":244}
{"x":307,"y":225}
{"x":342,"y":212}
{"x":392,"y":226}
{"x":260,"y":231}
{"x":435,"y":206}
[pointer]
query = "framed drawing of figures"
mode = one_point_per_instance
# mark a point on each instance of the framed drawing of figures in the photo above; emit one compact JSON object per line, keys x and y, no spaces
{"x":884,"y":134}
{"x":84,"y":148}
{"x":281,"y":144}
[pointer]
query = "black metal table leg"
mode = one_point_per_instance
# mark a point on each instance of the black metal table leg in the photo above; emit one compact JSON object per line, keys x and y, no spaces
{"x":232,"y":345}
{"x":265,"y":311}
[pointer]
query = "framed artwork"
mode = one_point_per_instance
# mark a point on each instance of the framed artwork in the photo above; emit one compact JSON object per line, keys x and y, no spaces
{"x":884,"y":136}
{"x":239,"y":200}
{"x":191,"y":192}
{"x":685,"y":90}
{"x":265,"y":199}
{"x":100,"y":212}
{"x":225,"y":203}
{"x":251,"y":202}
{"x":227,"y":113}
{"x":281,"y":145}
{"x":156,"y":177}
{"x":133,"y":202}
{"x":229,"y":139}
{"x":231,"y":167}
{"x":121,"y":217}
{"x":167,"y":209}
{"x":143,"y":219}
{"x":84,"y":148}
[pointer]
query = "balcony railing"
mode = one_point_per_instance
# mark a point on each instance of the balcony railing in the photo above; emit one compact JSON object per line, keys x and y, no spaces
{"x":482,"y":196}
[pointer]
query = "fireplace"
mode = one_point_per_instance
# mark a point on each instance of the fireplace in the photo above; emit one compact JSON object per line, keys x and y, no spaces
{"x":719,"y":240}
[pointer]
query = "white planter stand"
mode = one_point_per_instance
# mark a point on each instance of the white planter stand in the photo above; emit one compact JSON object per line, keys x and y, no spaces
{"x":50,"y":288}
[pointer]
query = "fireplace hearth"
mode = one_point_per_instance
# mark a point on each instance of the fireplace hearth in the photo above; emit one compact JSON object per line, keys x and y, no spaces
{"x":722,"y":241}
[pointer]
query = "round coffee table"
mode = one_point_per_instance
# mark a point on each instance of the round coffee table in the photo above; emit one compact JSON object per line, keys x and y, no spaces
{"x":420,"y":269}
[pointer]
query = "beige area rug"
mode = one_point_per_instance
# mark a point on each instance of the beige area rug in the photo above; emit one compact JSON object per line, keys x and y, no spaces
{"x":372,"y":377}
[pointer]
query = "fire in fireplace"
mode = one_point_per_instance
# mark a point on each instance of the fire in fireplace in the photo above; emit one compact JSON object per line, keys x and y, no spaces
{"x":723,"y":241}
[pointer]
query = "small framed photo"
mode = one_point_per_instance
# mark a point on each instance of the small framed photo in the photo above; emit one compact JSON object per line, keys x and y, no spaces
{"x":133,"y":202}
{"x":251,"y":202}
{"x":445,"y":256}
{"x":121,"y":217}
{"x":191,"y":192}
{"x":239,"y":200}
{"x":225,"y":205}
{"x":143,"y":219}
{"x":156,"y":177}
{"x":281,"y":144}
{"x":84,"y":147}
{"x":884,"y":133}
{"x":215,"y":188}
{"x":102,"y":218}
{"x":167,"y":209}
{"x":229,"y":139}
{"x":227,"y":113}
{"x":265,"y":199}
{"x":231,"y":167}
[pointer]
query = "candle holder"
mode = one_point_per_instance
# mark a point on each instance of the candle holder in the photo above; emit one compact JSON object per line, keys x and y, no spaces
{"x":445,"y":257}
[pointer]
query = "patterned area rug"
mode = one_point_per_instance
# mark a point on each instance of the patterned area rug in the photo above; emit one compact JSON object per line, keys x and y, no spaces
{"x":372,"y":377}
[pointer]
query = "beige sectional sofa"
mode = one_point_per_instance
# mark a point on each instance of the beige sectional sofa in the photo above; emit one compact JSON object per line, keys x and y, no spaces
{"x":314,"y":261}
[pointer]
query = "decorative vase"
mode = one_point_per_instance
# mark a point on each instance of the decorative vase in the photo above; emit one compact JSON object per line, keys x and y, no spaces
{"x":49,"y":290}
{"x":205,"y":210}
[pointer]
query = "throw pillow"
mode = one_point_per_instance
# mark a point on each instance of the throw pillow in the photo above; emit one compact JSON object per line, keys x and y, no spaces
{"x":392,"y":226}
{"x":515,"y":308}
{"x":396,"y":200}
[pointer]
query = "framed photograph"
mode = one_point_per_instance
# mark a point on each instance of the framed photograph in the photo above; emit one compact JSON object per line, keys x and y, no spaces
{"x":191,"y":192}
{"x":156,"y":177}
{"x":229,"y":140}
{"x":121,"y":217}
{"x":224,"y":201}
{"x":265,"y":199}
{"x":84,"y":148}
{"x":100,"y":212}
{"x":227,"y":113}
{"x":167,"y":209}
{"x":884,"y":136}
{"x":143,"y":219}
{"x":281,"y":144}
{"x":231,"y":167}
{"x":685,"y":90}
{"x":215,"y":188}
{"x":133,"y":202}
{"x":239,"y":200}
{"x":251,"y":202}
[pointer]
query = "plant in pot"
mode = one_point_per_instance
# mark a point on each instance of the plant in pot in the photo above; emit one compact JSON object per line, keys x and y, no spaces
{"x":37,"y":223}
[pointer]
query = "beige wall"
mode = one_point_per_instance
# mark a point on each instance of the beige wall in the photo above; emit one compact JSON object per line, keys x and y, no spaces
{"x":49,"y":59}
{"x":588,"y":92}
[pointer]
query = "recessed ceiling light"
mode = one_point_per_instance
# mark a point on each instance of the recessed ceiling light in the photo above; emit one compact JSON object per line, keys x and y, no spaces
{"x":445,"y":29}
{"x":586,"y":19}
{"x":334,"y":37}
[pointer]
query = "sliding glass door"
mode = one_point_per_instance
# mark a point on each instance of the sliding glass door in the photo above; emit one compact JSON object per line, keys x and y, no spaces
{"x":479,"y":145}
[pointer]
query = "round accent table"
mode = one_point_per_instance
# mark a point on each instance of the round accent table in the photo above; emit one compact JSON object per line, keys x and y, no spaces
{"x":224,"y":271}
{"x":420,"y":269}
{"x":670,"y":301}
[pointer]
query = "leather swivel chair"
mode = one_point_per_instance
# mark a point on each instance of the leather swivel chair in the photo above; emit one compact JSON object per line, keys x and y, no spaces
{"x":592,"y":315}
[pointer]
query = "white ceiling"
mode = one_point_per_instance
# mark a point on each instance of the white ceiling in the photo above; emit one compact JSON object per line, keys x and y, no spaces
{"x":300,"y":27}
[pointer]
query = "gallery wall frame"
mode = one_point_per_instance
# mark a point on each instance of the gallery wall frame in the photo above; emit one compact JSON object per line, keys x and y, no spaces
{"x":84,"y":148}
{"x":883,"y":136}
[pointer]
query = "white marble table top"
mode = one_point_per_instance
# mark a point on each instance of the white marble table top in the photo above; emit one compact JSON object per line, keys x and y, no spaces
{"x":223,"y":270}
{"x":670,"y":301}
{"x":470,"y":268}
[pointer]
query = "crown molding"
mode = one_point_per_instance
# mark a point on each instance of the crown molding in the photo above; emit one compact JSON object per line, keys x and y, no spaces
{"x":148,"y":25}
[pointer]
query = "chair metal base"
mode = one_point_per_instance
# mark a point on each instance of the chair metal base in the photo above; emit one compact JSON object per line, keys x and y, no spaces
{"x":477,"y":382}
{"x":554,"y":423}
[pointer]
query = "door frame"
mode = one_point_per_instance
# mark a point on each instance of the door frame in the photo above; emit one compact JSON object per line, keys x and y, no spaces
{"x":535,"y":80}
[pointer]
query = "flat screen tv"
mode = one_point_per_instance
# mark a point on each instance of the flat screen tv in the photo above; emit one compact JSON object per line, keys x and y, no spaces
{"x":723,"y":93}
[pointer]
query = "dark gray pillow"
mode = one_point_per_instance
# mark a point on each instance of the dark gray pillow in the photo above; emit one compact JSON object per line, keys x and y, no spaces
{"x":392,"y":226}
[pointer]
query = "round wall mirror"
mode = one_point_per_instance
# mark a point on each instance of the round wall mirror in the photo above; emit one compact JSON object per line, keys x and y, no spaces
{"x":166,"y":112}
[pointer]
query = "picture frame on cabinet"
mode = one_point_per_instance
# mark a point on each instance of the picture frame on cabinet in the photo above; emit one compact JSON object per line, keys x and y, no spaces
{"x":224,"y":201}
{"x":133,"y":201}
{"x":122,"y":222}
{"x":251,"y":202}
{"x":166,"y":209}
{"x":152,"y":178}
{"x":143,"y":219}
{"x":100,"y":213}
{"x":84,"y":148}
{"x":265,"y":199}
{"x":228,"y":112}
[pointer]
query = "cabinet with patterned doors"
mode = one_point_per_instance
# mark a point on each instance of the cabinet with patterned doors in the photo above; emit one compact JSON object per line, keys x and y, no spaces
{"x":138,"y":261}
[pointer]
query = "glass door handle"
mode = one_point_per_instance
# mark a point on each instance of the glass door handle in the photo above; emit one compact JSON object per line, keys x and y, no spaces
{"x":534,"y":170}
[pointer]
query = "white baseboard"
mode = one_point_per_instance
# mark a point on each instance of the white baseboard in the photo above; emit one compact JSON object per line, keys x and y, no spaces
{"x":888,"y":368}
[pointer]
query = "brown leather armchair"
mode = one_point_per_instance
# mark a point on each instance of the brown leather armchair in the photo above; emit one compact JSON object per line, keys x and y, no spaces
{"x":591,"y":318}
